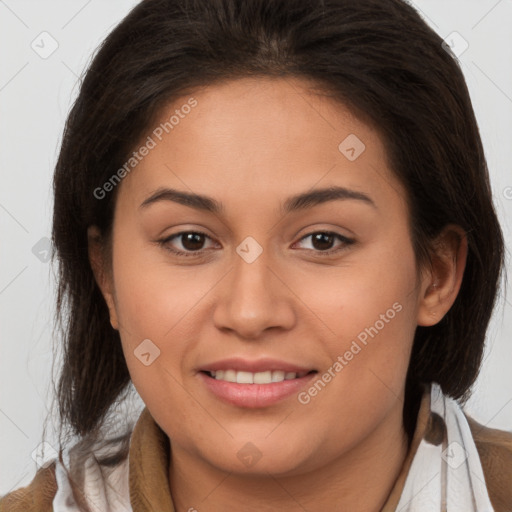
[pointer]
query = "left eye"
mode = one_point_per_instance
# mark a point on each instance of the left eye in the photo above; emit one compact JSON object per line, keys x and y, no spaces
{"x":321,"y":239}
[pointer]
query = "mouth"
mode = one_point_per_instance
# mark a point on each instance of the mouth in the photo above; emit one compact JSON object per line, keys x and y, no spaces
{"x":263,"y":377}
{"x":254,"y":384}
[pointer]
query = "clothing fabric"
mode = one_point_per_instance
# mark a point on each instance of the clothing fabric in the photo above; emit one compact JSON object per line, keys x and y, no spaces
{"x":446,"y":473}
{"x":454,"y":464}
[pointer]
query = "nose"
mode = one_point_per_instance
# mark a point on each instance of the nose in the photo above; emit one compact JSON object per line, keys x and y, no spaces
{"x":254,"y":297}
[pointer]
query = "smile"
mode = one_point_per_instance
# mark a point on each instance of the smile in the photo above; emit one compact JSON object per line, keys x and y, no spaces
{"x":264,"y":377}
{"x":253,"y":384}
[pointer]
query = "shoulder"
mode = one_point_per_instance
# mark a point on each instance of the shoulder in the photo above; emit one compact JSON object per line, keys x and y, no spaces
{"x":94,"y":466}
{"x":495,"y":450}
{"x":37,"y":496}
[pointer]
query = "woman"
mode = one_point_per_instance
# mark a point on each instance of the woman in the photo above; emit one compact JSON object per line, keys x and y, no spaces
{"x":274,"y":218}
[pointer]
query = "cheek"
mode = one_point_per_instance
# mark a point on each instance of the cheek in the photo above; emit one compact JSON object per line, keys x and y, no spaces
{"x":369,"y":315}
{"x":156,"y":316}
{"x":158,"y":302}
{"x":374,"y":291}
{"x":149,"y":307}
{"x":369,"y":356}
{"x":151,"y":295}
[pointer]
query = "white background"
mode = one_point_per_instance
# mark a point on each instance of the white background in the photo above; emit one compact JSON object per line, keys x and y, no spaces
{"x":35,"y":96}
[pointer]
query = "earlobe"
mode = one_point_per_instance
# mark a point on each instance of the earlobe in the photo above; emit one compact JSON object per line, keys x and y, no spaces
{"x":441,"y":285}
{"x":100,"y":270}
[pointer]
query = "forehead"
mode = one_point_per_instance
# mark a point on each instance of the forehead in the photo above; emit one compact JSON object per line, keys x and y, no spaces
{"x":241,"y":139}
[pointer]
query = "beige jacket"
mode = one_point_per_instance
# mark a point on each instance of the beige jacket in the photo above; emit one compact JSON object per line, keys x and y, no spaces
{"x":149,"y":462}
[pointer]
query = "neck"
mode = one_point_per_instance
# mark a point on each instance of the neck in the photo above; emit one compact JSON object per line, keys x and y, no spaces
{"x":360,"y":479}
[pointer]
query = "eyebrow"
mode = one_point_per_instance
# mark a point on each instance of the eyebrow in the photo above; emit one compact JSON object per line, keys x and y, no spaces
{"x":297,"y":202}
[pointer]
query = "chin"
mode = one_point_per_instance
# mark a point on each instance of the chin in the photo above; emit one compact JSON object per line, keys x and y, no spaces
{"x":260,"y":457}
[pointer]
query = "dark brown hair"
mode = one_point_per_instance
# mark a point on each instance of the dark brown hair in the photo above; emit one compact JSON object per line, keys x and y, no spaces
{"x":378,"y":57}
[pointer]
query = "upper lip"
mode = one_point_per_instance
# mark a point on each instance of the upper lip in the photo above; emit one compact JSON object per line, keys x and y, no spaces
{"x":253,"y":366}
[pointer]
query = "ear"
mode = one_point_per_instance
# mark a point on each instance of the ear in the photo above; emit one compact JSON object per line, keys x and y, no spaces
{"x":101,"y":271}
{"x":441,"y":283}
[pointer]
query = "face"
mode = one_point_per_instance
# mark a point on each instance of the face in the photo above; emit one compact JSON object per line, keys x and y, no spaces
{"x":321,"y":292}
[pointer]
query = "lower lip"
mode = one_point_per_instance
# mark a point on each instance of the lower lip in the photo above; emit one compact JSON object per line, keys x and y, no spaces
{"x":254,"y":396}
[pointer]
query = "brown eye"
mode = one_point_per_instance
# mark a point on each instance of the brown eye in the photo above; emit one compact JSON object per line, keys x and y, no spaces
{"x":191,"y":243}
{"x":322,"y":241}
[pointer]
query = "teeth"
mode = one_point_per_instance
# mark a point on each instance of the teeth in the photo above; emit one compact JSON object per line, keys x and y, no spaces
{"x":262,"y":377}
{"x":266,"y":377}
{"x":230,"y":375}
{"x":244,"y":377}
{"x":277,"y":376}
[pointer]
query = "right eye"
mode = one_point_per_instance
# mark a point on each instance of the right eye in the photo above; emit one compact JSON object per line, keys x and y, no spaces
{"x":191,"y":243}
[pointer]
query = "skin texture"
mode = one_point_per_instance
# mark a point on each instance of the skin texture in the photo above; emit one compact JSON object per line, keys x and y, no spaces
{"x":250,"y":144}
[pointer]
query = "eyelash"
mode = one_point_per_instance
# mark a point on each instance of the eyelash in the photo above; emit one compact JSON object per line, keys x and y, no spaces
{"x":165,"y":241}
